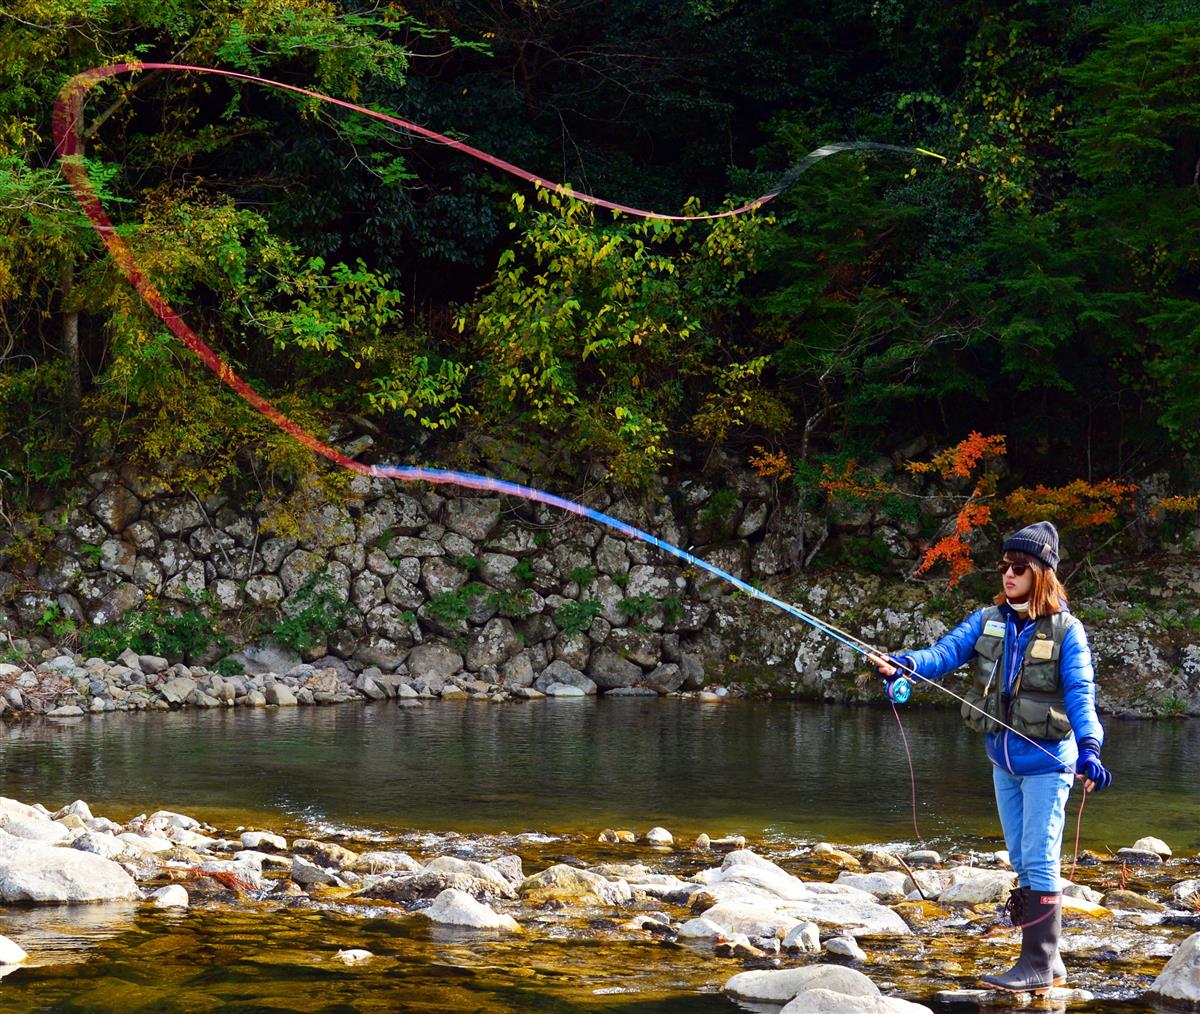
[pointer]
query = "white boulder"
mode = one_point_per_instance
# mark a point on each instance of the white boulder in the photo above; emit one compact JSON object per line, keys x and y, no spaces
{"x":457,"y":908}
{"x":780,"y":985}
{"x":828,"y":1001}
{"x":171,"y":896}
{"x":1179,"y":981}
{"x":35,"y":872}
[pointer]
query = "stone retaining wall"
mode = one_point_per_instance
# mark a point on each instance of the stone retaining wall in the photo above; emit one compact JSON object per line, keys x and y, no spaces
{"x":455,"y":590}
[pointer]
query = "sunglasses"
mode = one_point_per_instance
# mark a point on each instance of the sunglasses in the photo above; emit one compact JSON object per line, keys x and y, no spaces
{"x":1018,"y":569}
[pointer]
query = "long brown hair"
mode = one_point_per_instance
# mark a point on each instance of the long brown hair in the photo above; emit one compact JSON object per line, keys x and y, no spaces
{"x":1047,"y":596}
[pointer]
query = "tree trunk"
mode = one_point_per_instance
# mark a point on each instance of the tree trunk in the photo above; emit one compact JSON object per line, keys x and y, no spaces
{"x":73,"y":392}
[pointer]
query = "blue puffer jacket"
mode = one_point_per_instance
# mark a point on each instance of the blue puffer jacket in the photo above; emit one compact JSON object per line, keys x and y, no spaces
{"x":1006,"y":749}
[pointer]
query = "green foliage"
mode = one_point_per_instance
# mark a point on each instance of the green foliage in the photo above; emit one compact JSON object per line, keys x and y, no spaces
{"x":637,"y":606}
{"x":577,"y":617}
{"x":718,"y":512}
{"x":582,"y":576}
{"x":228,"y":667}
{"x":514,"y":605}
{"x":621,"y":581}
{"x":672,"y":607}
{"x":1044,"y":277}
{"x":311,"y":615}
{"x":453,"y":607}
{"x":523,"y":570}
{"x":580,"y":306}
{"x":471,"y":564}
{"x":55,"y":624}
{"x":1171,"y":706}
{"x":92,"y":553}
{"x":156,"y":628}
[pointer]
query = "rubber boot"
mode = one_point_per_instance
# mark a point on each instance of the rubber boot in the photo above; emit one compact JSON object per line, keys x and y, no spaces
{"x":1058,"y":970}
{"x":1041,"y":928}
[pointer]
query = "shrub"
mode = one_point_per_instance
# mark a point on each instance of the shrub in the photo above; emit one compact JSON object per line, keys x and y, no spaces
{"x":576,"y":617}
{"x":315,"y":612}
{"x":155,"y":629}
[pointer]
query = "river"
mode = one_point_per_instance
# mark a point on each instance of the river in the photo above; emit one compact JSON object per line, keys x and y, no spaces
{"x":542,"y":779}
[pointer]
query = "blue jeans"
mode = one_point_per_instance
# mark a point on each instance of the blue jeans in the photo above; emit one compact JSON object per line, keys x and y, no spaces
{"x":1033,"y":813}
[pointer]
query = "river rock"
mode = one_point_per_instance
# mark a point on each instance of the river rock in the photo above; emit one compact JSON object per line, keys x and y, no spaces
{"x":258,"y":660}
{"x":747,"y":878}
{"x":566,"y":883}
{"x":659,"y":836}
{"x":98,"y":843}
{"x":804,"y":937}
{"x":702,"y":928}
{"x":560,"y":672}
{"x":828,"y":1001}
{"x":754,"y":920}
{"x":968,"y":885}
{"x":434,"y":663}
{"x":11,"y":953}
{"x":886,"y":886}
{"x":781,"y":985}
{"x":1186,"y":892}
{"x":427,"y":884}
{"x":640,"y":647}
{"x":35,"y":872}
{"x":1139,"y":857}
{"x":1130,"y":901}
{"x":311,"y":875}
{"x":456,"y":908}
{"x":387,"y":863}
{"x":78,"y":809}
{"x":573,"y":649}
{"x":29,"y":824}
{"x":609,"y":670}
{"x":494,"y":645}
{"x":1155,"y":845}
{"x":502,"y":887}
{"x":845,"y":947}
{"x":327,"y":853}
{"x":281,"y":696}
{"x":1179,"y":981}
{"x":353,"y":956}
{"x":666,"y":678}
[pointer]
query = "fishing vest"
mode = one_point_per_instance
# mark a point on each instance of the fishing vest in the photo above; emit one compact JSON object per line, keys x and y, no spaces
{"x":1035,"y":706}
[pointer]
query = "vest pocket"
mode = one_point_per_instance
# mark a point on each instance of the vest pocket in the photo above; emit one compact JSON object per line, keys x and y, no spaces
{"x":975,"y":721}
{"x":1040,"y":676}
{"x":1039,"y":719}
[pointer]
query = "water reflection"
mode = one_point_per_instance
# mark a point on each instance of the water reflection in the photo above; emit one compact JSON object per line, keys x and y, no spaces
{"x":796,"y":771}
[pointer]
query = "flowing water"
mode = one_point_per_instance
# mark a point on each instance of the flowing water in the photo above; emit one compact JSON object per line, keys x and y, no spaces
{"x":541,"y":780}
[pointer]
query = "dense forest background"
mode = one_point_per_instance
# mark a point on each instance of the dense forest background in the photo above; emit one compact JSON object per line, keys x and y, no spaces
{"x":1040,"y":285}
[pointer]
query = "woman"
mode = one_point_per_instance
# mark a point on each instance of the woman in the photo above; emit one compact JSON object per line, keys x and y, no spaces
{"x":1033,"y":673}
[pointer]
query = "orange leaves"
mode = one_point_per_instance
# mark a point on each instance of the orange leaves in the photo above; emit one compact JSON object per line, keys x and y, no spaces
{"x":1177,"y":505}
{"x":959,"y":461}
{"x":771,"y":464}
{"x":1078,"y":504}
{"x":847,"y":483}
{"x":953,"y":551}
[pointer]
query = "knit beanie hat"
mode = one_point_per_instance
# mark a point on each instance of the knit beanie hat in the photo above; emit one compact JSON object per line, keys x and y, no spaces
{"x":1039,"y":539}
